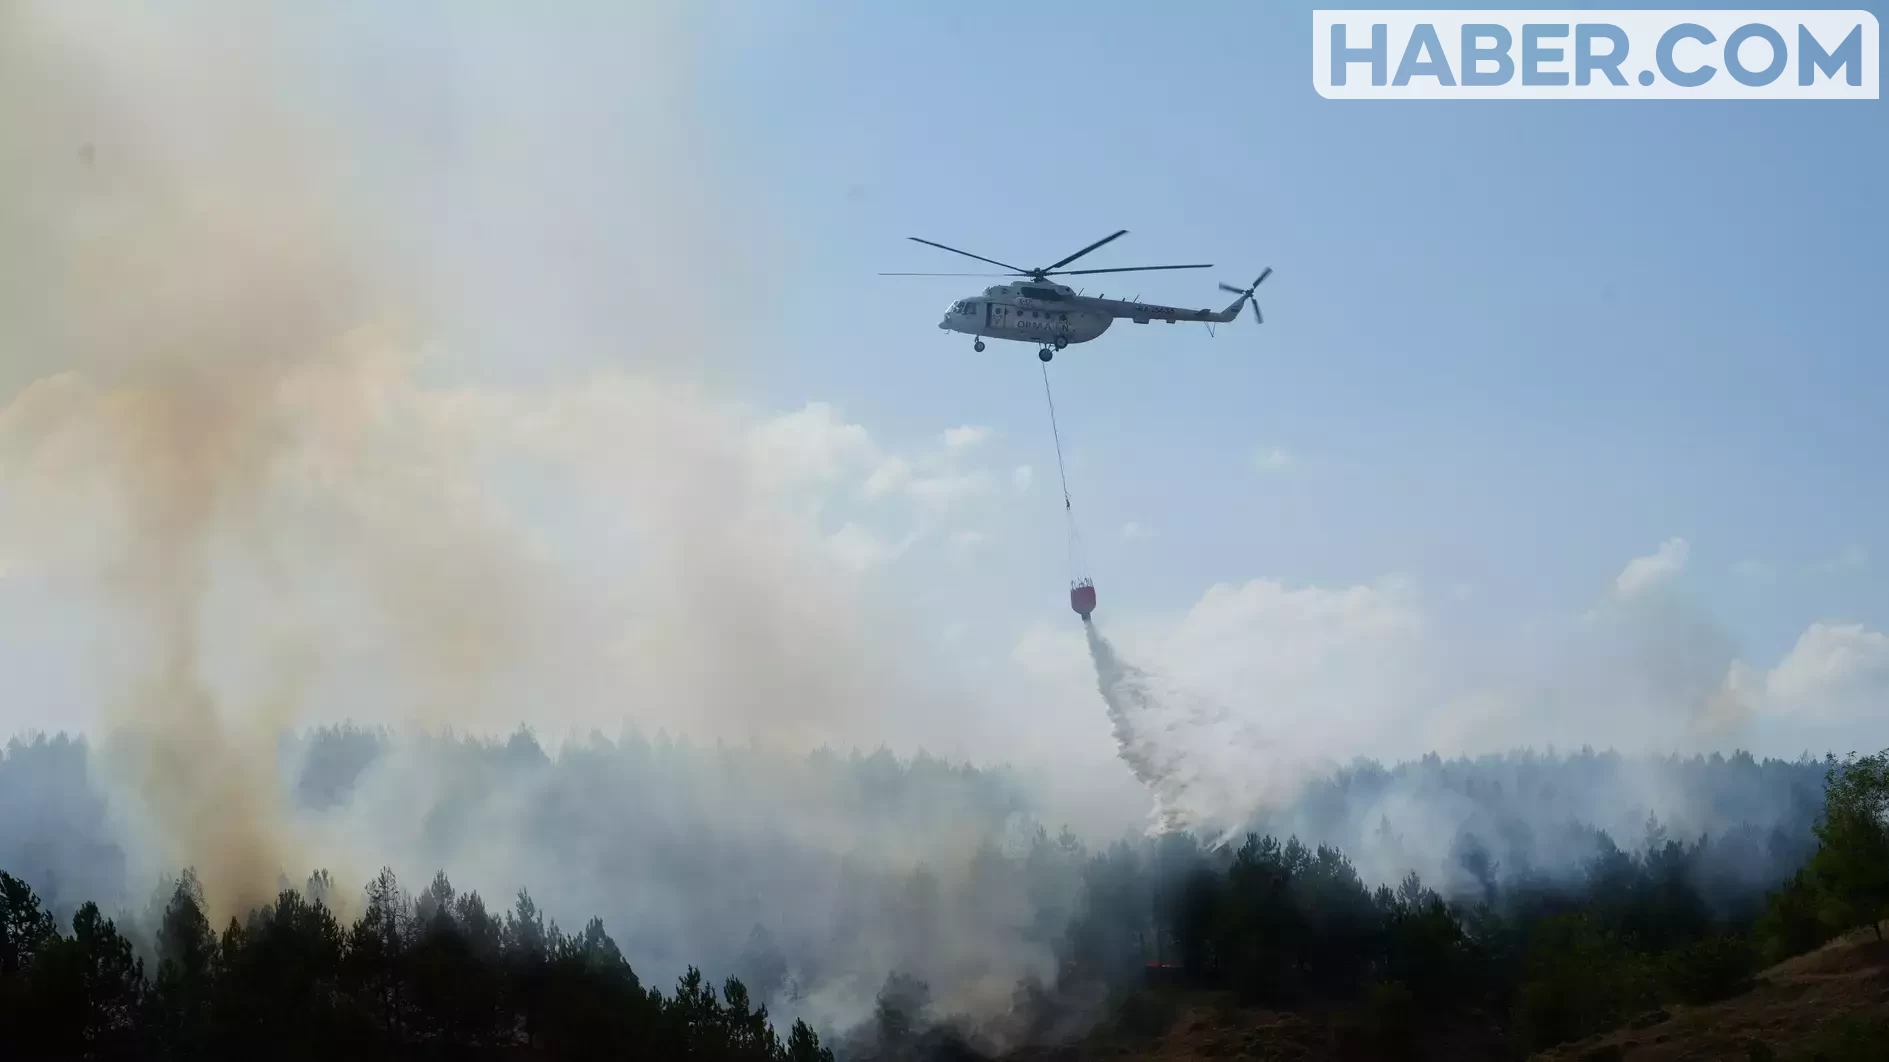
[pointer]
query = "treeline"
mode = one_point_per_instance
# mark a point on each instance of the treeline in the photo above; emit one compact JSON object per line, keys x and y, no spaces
{"x":1518,"y":966}
{"x":915,"y":908}
{"x":437,"y":976}
{"x":439,"y":800}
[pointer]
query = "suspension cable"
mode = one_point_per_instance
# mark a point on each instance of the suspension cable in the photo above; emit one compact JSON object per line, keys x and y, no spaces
{"x":1081,"y":590}
{"x":1061,"y":475}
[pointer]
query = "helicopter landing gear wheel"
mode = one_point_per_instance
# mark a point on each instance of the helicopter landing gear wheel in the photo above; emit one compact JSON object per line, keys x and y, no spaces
{"x":1061,"y":342}
{"x":1045,"y":354}
{"x":978,"y":346}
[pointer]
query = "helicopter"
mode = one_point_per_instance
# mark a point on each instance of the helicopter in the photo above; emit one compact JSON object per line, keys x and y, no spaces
{"x":1051,"y":315}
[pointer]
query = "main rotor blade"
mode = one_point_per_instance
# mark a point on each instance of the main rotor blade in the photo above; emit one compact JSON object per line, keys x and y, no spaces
{"x":949,"y":274}
{"x":1129,"y":269}
{"x":968,"y":254}
{"x":1085,"y":250}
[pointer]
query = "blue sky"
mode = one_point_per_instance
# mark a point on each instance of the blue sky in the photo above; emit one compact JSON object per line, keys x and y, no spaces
{"x":1511,"y":343}
{"x":1509,"y":348}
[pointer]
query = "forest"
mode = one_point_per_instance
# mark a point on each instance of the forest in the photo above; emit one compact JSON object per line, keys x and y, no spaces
{"x":891,"y":933}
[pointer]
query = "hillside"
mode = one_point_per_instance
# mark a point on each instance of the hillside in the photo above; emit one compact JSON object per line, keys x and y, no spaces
{"x":1209,"y":1026}
{"x":1832,"y":1003}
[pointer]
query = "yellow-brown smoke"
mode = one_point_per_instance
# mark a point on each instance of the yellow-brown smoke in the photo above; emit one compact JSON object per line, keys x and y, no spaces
{"x":236,"y":286}
{"x":194,"y":350}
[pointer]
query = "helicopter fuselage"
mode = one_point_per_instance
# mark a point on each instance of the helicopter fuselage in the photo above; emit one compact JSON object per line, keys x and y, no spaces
{"x":1052,"y":315}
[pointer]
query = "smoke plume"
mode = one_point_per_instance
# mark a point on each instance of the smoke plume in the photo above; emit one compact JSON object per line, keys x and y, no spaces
{"x":364,"y":371}
{"x":186,"y":321}
{"x":302,"y":401}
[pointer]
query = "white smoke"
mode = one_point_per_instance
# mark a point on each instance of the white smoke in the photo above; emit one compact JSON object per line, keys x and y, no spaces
{"x":1264,"y":689}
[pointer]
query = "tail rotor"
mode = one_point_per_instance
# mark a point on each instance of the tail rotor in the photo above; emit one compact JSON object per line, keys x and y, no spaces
{"x":1248,"y":293}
